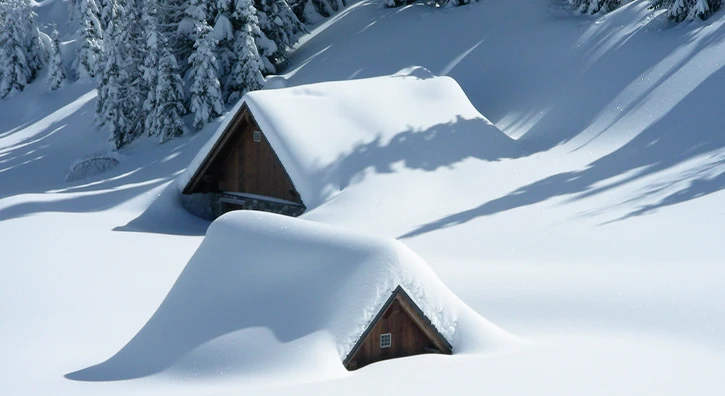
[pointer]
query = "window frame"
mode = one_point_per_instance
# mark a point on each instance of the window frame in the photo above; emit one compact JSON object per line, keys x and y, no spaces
{"x":386,"y":340}
{"x":257,"y":136}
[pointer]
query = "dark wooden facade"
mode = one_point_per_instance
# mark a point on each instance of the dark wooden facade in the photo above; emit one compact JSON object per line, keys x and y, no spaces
{"x":239,"y":163}
{"x":406,"y":327}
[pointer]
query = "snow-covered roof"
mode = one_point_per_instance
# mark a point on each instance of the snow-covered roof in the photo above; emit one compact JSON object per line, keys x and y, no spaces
{"x":313,"y":127}
{"x":299,"y":280}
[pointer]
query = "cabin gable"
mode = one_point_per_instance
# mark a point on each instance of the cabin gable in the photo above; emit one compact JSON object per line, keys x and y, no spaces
{"x":400,"y":329}
{"x":242,"y":171}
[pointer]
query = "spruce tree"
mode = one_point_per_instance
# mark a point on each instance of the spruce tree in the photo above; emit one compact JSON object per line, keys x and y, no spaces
{"x":109,"y":67}
{"x":111,"y":88}
{"x":35,"y":51}
{"x":704,"y":8}
{"x":56,"y":72}
{"x":108,"y":8}
{"x":611,"y":5}
{"x":681,"y":10}
{"x":90,"y":37}
{"x":119,"y":103}
{"x":163,"y":106}
{"x":167,"y":123}
{"x":151,"y":63}
{"x":225,"y":24}
{"x":246,"y":74}
{"x":171,"y":14}
{"x":205,"y":92}
{"x":247,"y":71}
{"x":311,"y":11}
{"x":17,"y":69}
{"x":133,"y":39}
{"x":279,"y":25}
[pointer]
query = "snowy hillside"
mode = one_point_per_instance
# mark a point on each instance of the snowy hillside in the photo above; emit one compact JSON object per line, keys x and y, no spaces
{"x":600,"y":247}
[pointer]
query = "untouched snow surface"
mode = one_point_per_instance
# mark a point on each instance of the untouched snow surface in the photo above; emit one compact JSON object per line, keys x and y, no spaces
{"x":303,"y":285}
{"x":602,"y":247}
{"x":327,"y":133}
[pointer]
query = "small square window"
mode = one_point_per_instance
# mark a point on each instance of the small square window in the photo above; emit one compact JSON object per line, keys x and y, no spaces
{"x":386,"y":340}
{"x":257,"y":136}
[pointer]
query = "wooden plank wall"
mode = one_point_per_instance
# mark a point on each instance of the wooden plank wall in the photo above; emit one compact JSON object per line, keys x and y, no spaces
{"x":407,"y":338}
{"x":253,"y":167}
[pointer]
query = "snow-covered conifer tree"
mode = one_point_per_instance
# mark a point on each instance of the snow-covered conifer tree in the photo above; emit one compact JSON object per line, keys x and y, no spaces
{"x":56,"y":71}
{"x":163,"y":106}
{"x":119,"y":101}
{"x":279,"y":25}
{"x":134,"y":40}
{"x":680,"y":10}
{"x":246,"y":73}
{"x":704,"y":8}
{"x":609,"y":5}
{"x":111,"y":88}
{"x":594,"y":6}
{"x":205,"y":92}
{"x":110,"y":66}
{"x":90,"y":37}
{"x":171,"y":16}
{"x":16,"y":71}
{"x":169,"y":95}
{"x":311,"y":11}
{"x":35,"y":51}
{"x":108,"y":10}
{"x":151,"y":62}
{"x":20,"y":46}
{"x":225,"y":25}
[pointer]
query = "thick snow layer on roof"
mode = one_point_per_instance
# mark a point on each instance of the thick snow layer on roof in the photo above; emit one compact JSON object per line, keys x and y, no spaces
{"x":325,"y":133}
{"x":261,"y":286}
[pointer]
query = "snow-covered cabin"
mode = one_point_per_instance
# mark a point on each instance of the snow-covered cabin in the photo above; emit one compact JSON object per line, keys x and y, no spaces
{"x":268,"y":292}
{"x":290,"y":149}
{"x":399,"y":329}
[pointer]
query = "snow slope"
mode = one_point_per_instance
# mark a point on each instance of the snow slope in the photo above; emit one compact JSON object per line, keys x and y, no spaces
{"x":602,"y":248}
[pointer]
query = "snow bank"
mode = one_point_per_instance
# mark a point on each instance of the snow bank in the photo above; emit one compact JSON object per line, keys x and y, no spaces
{"x":92,"y":165}
{"x":326,"y":132}
{"x":262,"y":286}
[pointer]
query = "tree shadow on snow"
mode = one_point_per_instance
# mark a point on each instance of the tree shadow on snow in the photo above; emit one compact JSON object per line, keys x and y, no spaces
{"x":443,"y":145}
{"x":681,"y":135}
{"x":603,"y":89}
{"x":36,"y":154}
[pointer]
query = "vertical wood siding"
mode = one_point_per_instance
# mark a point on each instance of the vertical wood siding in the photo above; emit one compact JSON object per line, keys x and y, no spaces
{"x":253,"y":167}
{"x":407,"y":338}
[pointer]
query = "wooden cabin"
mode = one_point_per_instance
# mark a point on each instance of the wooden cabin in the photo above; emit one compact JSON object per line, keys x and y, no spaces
{"x":289,"y":149}
{"x":400,"y":329}
{"x":242,"y":171}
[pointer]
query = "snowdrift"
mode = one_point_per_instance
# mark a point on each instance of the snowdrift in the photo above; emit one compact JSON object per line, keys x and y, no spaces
{"x":266,"y":293}
{"x":326,"y":134}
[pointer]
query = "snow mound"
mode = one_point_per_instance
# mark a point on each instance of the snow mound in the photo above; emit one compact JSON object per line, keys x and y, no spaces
{"x":92,"y":166}
{"x":265,"y":293}
{"x":328,"y":134}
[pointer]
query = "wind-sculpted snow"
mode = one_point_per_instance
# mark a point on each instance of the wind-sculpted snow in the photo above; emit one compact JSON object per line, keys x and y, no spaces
{"x":262,"y":286}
